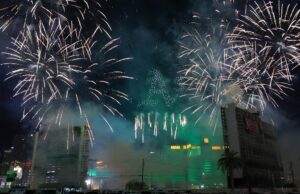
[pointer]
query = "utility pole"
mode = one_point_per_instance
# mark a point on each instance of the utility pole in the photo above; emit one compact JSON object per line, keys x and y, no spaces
{"x":186,"y":170}
{"x":143,"y":166}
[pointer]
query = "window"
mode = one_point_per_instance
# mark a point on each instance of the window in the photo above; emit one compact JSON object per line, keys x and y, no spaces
{"x":206,"y":140}
{"x":216,"y":147}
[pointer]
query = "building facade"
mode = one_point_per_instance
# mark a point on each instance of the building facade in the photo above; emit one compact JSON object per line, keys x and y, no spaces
{"x":255,"y":142}
{"x":60,"y":158}
{"x":17,"y":159}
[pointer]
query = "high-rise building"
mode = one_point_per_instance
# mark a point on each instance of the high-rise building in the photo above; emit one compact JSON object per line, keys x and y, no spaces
{"x":255,"y":142}
{"x":60,"y":158}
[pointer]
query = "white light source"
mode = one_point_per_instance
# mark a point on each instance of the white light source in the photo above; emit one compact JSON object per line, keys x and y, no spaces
{"x":19,"y":172}
{"x":88,"y":182}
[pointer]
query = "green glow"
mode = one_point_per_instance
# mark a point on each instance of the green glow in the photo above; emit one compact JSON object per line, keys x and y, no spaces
{"x":177,"y":168}
{"x":194,"y":153}
{"x":92,"y":172}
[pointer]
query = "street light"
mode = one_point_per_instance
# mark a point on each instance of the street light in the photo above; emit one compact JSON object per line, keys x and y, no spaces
{"x":88,"y":183}
{"x":143,"y":167}
{"x":282,"y":183}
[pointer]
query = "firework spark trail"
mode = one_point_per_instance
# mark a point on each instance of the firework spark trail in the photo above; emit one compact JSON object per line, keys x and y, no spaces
{"x":31,"y":12}
{"x":264,"y":49}
{"x":57,"y":67}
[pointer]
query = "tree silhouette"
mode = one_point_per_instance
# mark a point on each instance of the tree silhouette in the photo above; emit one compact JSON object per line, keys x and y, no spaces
{"x":228,"y":162}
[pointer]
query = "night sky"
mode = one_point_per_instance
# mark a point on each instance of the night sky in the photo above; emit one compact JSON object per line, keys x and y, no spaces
{"x":149,"y":31}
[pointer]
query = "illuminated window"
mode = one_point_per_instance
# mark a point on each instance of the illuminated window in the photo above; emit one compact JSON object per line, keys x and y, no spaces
{"x":216,"y":147}
{"x":206,"y":140}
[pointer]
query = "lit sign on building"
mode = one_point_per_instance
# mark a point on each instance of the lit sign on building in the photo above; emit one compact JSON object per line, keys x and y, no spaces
{"x":175,"y":147}
{"x":185,"y":147}
{"x":216,"y":147}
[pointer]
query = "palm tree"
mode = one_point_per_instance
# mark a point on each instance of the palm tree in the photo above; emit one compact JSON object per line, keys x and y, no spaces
{"x":228,"y":162}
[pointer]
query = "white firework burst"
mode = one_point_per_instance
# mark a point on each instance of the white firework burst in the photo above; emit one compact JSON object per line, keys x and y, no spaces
{"x":264,"y":48}
{"x":31,"y":12}
{"x":57,"y":68}
{"x":205,"y":74}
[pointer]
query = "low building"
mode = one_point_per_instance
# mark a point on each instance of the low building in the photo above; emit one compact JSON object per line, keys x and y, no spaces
{"x":255,"y":142}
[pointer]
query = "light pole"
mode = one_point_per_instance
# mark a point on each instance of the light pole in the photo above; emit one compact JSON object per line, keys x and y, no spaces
{"x":88,"y":183}
{"x":282,"y":183}
{"x":143,"y":166}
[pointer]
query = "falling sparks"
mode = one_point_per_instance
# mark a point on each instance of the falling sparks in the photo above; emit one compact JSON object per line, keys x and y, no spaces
{"x":169,"y":123}
{"x":154,"y":117}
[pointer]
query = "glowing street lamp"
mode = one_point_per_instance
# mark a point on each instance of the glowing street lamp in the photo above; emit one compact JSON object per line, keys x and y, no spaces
{"x":88,"y":183}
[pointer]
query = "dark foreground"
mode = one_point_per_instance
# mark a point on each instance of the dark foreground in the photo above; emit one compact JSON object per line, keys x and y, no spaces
{"x":52,"y":191}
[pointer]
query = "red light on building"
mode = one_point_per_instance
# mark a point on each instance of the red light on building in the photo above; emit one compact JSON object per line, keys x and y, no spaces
{"x":27,"y":164}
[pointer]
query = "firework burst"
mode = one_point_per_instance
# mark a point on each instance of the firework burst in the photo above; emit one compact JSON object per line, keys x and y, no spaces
{"x":57,"y":68}
{"x":205,"y":74}
{"x":259,"y":86}
{"x":44,"y":61}
{"x":32,"y":12}
{"x":264,"y":49}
